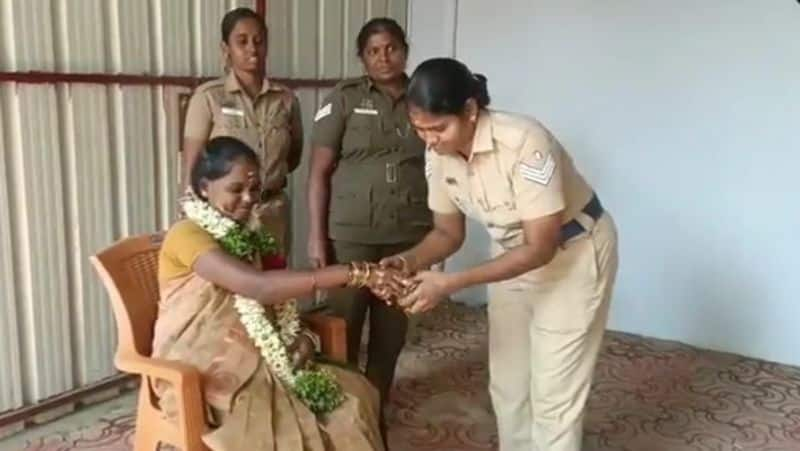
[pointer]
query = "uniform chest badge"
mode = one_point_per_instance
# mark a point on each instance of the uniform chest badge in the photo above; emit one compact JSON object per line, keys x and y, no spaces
{"x":230,"y":111}
{"x":367,"y":111}
{"x":366,"y":107}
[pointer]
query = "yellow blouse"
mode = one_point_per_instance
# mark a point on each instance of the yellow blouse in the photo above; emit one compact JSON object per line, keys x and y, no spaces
{"x":184,"y":243}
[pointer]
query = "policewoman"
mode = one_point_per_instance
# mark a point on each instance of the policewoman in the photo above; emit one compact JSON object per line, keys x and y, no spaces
{"x":554,"y":258}
{"x":367,"y":192}
{"x":244,"y":104}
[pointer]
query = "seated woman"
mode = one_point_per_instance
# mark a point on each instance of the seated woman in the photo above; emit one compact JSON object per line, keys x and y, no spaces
{"x":238,"y":324}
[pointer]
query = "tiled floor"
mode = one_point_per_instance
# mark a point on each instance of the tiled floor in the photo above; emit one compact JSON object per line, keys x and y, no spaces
{"x":649,"y":395}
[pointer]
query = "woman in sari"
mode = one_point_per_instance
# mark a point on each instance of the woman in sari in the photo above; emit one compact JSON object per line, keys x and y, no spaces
{"x":237,"y":323}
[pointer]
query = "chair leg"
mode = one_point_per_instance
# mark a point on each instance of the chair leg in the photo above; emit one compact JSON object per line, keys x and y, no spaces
{"x":146,"y":434}
{"x":145,"y":441}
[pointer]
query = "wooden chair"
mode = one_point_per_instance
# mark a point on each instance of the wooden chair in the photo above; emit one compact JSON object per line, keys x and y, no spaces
{"x":128,"y":270}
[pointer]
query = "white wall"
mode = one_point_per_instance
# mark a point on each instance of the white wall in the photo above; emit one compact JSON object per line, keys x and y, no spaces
{"x":684,"y":115}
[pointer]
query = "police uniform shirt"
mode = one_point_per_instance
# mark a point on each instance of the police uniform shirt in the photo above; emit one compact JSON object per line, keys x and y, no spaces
{"x":517,"y":171}
{"x":270,"y":124}
{"x":378,"y":190}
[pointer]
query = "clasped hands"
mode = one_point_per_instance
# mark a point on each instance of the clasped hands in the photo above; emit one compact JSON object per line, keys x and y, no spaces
{"x":392,"y":281}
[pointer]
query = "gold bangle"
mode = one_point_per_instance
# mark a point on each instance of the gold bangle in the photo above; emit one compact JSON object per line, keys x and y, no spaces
{"x":367,"y":274}
{"x":352,"y":275}
{"x":359,"y":274}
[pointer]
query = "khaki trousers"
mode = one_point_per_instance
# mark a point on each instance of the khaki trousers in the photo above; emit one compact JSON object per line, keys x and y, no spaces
{"x":545,"y":332}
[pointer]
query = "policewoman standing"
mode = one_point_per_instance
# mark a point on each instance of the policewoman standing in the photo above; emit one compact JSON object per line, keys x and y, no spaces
{"x":367,"y":191}
{"x":244,"y":104}
{"x":554,"y":260}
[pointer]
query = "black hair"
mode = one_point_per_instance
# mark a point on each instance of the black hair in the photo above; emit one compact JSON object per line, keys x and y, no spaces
{"x":217,"y":160}
{"x":380,"y":25}
{"x":233,"y":17}
{"x":443,"y":86}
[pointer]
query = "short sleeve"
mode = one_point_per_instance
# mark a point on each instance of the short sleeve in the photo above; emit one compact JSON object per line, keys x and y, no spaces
{"x":438,"y":199}
{"x":184,"y":244}
{"x":329,"y":122}
{"x":198,"y":122}
{"x":296,"y":124}
{"x":537,"y":178}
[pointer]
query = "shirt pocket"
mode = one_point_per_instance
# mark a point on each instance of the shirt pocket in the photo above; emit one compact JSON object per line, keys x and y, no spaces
{"x":497,"y":196}
{"x":413,"y":210}
{"x":504,"y":226}
{"x":359,"y":131}
{"x":351,"y":205}
{"x":278,"y":133}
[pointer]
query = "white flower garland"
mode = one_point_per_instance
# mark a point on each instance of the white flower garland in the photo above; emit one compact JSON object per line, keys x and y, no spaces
{"x":271,"y":342}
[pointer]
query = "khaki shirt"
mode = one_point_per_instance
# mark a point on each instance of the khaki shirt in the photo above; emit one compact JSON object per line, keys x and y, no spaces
{"x":378,"y":189}
{"x":517,"y":171}
{"x":270,"y":124}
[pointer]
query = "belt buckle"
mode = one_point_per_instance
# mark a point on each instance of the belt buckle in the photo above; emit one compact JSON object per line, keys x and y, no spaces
{"x":391,"y":173}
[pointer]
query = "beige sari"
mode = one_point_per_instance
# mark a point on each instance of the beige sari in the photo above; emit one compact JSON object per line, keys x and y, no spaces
{"x":248,"y":408}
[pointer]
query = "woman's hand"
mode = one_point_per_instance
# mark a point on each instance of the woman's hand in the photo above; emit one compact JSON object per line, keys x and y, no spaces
{"x":398,"y":262}
{"x":389,"y":284}
{"x":301,"y":351}
{"x":431,"y":288}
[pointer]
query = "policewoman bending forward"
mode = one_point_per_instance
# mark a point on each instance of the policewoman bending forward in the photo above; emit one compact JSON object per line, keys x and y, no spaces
{"x":554,"y":257}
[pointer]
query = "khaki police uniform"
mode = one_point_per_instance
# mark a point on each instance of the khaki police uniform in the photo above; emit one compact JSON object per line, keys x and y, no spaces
{"x":377,"y":206}
{"x":270,"y":124}
{"x":555,"y":315}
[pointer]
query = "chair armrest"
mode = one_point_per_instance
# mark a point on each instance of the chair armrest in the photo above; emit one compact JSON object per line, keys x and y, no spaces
{"x":185,"y":380}
{"x":332,"y":332}
{"x":174,"y":372}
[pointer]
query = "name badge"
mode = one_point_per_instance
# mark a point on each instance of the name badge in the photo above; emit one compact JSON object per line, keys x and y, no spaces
{"x":368,"y":111}
{"x":232,"y":111}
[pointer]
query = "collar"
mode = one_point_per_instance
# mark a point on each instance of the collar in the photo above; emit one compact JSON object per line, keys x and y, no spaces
{"x":232,"y":84}
{"x":483,"y":141}
{"x":369,"y":84}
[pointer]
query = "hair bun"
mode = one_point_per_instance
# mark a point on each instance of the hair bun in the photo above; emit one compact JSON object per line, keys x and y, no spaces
{"x":481,"y":91}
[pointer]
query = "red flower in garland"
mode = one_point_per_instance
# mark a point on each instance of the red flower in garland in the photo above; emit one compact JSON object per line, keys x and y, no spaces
{"x":273,"y":261}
